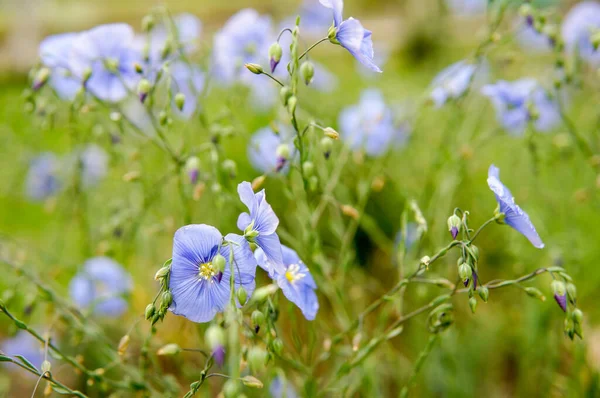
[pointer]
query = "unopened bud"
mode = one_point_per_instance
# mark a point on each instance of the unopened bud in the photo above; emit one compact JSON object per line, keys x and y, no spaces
{"x":350,"y":211}
{"x":577,"y":316}
{"x":465,"y":271}
{"x":219,"y":263}
{"x":166,"y":299}
{"x":150,"y":310}
{"x":192,"y":167}
{"x":474,"y":250}
{"x":262,"y":293}
{"x":147,"y":23}
{"x":252,"y":382}
{"x":283,"y":151}
{"x":46,"y":366}
{"x":291,"y":104}
{"x":257,"y":318}
{"x":242,"y":295}
{"x":40,"y":79}
{"x":285,"y":93}
{"x":307,"y":71}
{"x":124,"y":344}
{"x":454,"y":225}
{"x":484,"y":293}
{"x":275,"y":53}
{"x":535,"y":293}
{"x":425,"y":260}
{"x":161,"y":273}
{"x":356,"y":341}
{"x":215,"y":337}
{"x":254,"y":68}
{"x":169,"y":349}
{"x":257,"y":358}
{"x":277,"y":345}
{"x":309,"y":168}
{"x":572,"y":291}
{"x":138,"y":68}
{"x":230,"y":167}
{"x":143,"y":89}
{"x":180,"y":101}
{"x":163,"y":118}
{"x":473,"y":304}
{"x":258,"y":182}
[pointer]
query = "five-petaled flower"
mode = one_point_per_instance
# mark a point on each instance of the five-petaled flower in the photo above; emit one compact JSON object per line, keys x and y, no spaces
{"x":296,"y":282}
{"x":351,"y":35}
{"x":513,"y":214}
{"x":199,"y":289}
{"x":452,"y":82}
{"x":260,"y":225}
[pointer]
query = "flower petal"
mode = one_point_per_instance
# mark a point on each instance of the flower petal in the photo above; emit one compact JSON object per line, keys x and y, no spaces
{"x":337,"y":6}
{"x":272,"y":249}
{"x":247,"y":197}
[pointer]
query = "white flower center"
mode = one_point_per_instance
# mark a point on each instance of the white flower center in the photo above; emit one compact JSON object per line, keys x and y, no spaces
{"x":293,"y":273}
{"x":206,"y":271}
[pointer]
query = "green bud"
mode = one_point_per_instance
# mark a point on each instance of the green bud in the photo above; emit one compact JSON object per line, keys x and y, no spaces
{"x":484,"y":293}
{"x":163,"y":118}
{"x":215,"y":337}
{"x":257,"y":318}
{"x":144,"y":87}
{"x":150,"y":310}
{"x":254,"y":68}
{"x":572,"y":291}
{"x":465,"y":271}
{"x":257,"y":357}
{"x":166,"y":299}
{"x":277,"y":346}
{"x":192,"y":164}
{"x":535,"y":293}
{"x":231,"y":389}
{"x":331,"y":35}
{"x":454,"y":224}
{"x":475,"y":252}
{"x":331,"y":133}
{"x":41,"y":78}
{"x":313,"y":183}
{"x":577,"y":316}
{"x":326,"y":144}
{"x":138,"y":68}
{"x":169,"y":349}
{"x":147,"y":23}
{"x":525,"y":10}
{"x":262,"y":293}
{"x":161,"y":273}
{"x":230,"y":167}
{"x":46,"y":366}
{"x":275,"y":53}
{"x":283,"y":151}
{"x":291,"y":104}
{"x":252,"y":382}
{"x":219,"y":263}
{"x":307,"y":71}
{"x":559,"y":288}
{"x":180,"y":101}
{"x":285,"y":93}
{"x":308,"y":167}
{"x":242,"y":295}
{"x":473,"y":304}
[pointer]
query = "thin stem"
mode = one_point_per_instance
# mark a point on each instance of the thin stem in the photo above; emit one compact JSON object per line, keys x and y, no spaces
{"x":313,"y":46}
{"x":485,"y":224}
{"x":273,"y":78}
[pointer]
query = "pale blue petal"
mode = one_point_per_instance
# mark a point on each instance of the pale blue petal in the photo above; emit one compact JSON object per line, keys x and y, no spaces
{"x":337,"y":6}
{"x":247,"y":197}
{"x":271,"y":246}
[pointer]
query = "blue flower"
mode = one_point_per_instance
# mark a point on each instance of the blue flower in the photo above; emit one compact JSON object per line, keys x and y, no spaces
{"x":27,"y":346}
{"x":101,"y":286}
{"x":94,"y":165}
{"x":513,"y":214}
{"x":42,"y":178}
{"x":281,"y":388}
{"x":514,"y":102}
{"x":351,"y":35}
{"x":452,"y":82}
{"x":296,"y":282}
{"x":582,"y":21}
{"x":413,"y":235}
{"x":199,"y":290}
{"x":532,"y":40}
{"x":54,"y":52}
{"x":108,"y":52}
{"x":467,"y":7}
{"x":262,"y":150}
{"x":260,"y":225}
{"x":369,"y":125}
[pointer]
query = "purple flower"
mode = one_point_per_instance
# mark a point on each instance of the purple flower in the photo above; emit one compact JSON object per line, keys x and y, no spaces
{"x":351,"y":35}
{"x":582,"y":21}
{"x":108,"y":52}
{"x":452,"y":82}
{"x":561,"y":300}
{"x":42,"y":178}
{"x":25,"y":345}
{"x":262,"y":150}
{"x":513,"y":214}
{"x":515,"y":101}
{"x":199,"y":290}
{"x":94,"y":165}
{"x":54,"y":53}
{"x":369,"y":125}
{"x":260,"y":225}
{"x":295,"y":282}
{"x":101,"y":286}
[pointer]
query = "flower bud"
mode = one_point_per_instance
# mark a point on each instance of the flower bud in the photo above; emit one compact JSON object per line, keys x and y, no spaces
{"x":258,"y":181}
{"x":558,"y":287}
{"x":474,"y":250}
{"x":308,"y":167}
{"x":331,"y":133}
{"x":192,"y":167}
{"x":242,"y":295}
{"x":307,"y":71}
{"x":231,"y":389}
{"x":180,"y":101}
{"x":313,"y":183}
{"x":150,"y":310}
{"x":163,"y":118}
{"x":166,"y":299}
{"x":230,"y":167}
{"x":465,"y":271}
{"x":285,"y":93}
{"x":169,"y":349}
{"x":454,"y":225}
{"x":40,"y":79}
{"x":257,"y":358}
{"x":214,"y":336}
{"x":291,"y":104}
{"x":283,"y":151}
{"x":143,"y":89}
{"x":572,"y":291}
{"x":257,"y":318}
{"x":262,"y":293}
{"x":277,"y":346}
{"x":425,"y":260}
{"x":161,"y":273}
{"x":350,"y":211}
{"x":332,"y":35}
{"x":275,"y":53}
{"x":123,"y":345}
{"x":219,"y":263}
{"x":484,"y":293}
{"x":138,"y":68}
{"x":473,"y":304}
{"x":254,"y":68}
{"x":535,"y":293}
{"x":577,"y":316}
{"x":252,"y":382}
{"x":147,"y":23}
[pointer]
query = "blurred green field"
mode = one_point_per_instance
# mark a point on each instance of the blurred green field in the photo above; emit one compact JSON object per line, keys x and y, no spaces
{"x":514,"y":346}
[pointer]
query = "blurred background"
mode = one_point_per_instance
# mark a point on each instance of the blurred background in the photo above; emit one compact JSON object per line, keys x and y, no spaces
{"x":513,"y":346}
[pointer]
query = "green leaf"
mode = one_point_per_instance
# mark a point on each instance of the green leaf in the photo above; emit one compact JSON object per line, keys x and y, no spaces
{"x":61,"y":390}
{"x":4,"y":358}
{"x":26,"y":362}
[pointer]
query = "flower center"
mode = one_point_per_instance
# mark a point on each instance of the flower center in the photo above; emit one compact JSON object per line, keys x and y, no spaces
{"x":206,"y":271}
{"x":293,"y":273}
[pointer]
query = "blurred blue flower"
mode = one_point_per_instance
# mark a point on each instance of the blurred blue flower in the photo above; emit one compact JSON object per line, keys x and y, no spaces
{"x":413,"y":234}
{"x":54,"y":52}
{"x":260,"y":225}
{"x":199,"y":290}
{"x":42,"y":179}
{"x":94,"y":165}
{"x":369,"y":125}
{"x":452,"y":82}
{"x":262,"y":149}
{"x":101,"y":286}
{"x":582,"y":21}
{"x":108,"y":52}
{"x":467,"y":7}
{"x":513,"y":214}
{"x":296,"y":282}
{"x":27,"y":346}
{"x":351,"y":35}
{"x":281,"y":388}
{"x":515,"y":101}
{"x":532,"y":40}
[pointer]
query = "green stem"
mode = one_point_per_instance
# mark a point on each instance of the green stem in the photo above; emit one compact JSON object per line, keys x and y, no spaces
{"x":313,"y":46}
